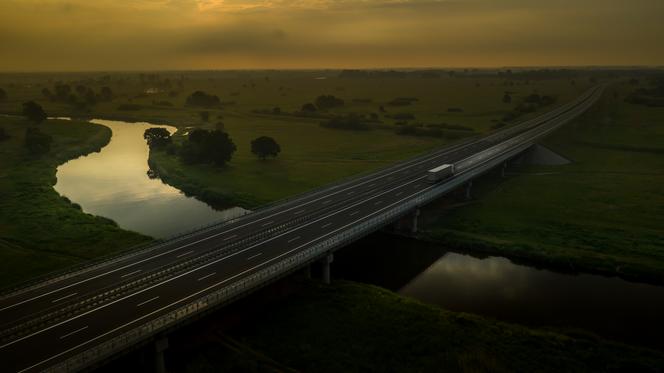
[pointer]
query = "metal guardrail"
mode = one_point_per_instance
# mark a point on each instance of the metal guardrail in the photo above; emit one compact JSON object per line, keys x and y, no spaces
{"x":356,"y":230}
{"x":154,"y":245}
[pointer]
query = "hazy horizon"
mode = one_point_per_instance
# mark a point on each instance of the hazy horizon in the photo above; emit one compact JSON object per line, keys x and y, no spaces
{"x":174,"y":35}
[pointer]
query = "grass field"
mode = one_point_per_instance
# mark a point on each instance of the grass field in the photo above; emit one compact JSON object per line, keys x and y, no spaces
{"x":604,"y":212}
{"x":311,"y":155}
{"x":350,"y":327}
{"x":40,"y":231}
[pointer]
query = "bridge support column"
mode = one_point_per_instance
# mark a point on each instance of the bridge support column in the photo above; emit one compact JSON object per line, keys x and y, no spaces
{"x":413,"y":221}
{"x":502,"y":172}
{"x":327,"y":275}
{"x":469,"y":186}
{"x":307,"y":271}
{"x":160,"y":346}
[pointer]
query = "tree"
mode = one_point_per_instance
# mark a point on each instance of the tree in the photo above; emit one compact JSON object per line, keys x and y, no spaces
{"x":106,"y":94}
{"x":62,"y":92}
{"x":3,"y":94}
{"x":204,"y":146}
{"x":47,"y":93}
{"x":507,"y":98}
{"x":37,"y":142}
{"x":308,"y":108}
{"x":325,"y":102}
{"x":157,"y":137}
{"x":202,"y":99}
{"x":205,"y":116}
{"x":34,"y":112}
{"x":265,"y":146}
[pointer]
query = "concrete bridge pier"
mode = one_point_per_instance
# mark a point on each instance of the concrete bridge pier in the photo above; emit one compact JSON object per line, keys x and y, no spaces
{"x":160,"y":345}
{"x":326,"y":261}
{"x":307,"y":271}
{"x":469,"y":186}
{"x":502,"y":172}
{"x":412,"y":219}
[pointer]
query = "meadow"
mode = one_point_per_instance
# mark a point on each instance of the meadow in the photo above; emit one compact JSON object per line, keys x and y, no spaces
{"x":601,"y":213}
{"x":311,"y":155}
{"x":41,"y":231}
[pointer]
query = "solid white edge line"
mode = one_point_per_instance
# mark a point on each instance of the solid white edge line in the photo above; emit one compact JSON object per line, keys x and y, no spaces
{"x":430,"y":157}
{"x":206,"y":289}
{"x":223,"y":281}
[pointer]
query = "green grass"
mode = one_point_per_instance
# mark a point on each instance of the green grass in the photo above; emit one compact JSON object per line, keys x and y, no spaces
{"x":604,"y":212}
{"x":40,"y":231}
{"x":313,"y":156}
{"x":350,"y":327}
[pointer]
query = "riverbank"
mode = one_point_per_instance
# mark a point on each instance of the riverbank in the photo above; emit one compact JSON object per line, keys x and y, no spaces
{"x":352,"y":327}
{"x":602,"y":213}
{"x":40,"y":231}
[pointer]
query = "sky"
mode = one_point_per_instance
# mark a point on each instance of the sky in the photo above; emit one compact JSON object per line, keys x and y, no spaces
{"x":94,"y":35}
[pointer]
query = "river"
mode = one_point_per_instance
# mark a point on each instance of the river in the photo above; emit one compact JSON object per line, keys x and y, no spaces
{"x":114,"y":183}
{"x":498,"y":288}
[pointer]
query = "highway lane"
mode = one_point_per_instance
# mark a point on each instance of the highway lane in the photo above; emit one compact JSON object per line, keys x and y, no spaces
{"x":164,"y":257}
{"x":137,"y":265}
{"x":133,"y":267}
{"x":113,"y":318}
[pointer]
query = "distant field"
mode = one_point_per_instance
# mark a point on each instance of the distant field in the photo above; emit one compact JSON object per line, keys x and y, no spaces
{"x":39,"y":230}
{"x":311,"y":155}
{"x":604,"y":212}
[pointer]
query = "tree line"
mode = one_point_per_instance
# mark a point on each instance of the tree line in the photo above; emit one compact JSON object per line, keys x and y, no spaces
{"x":207,"y":146}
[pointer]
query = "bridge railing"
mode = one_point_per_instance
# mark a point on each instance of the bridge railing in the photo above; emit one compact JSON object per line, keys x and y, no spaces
{"x":281,"y":267}
{"x":254,"y":280}
{"x":156,"y":244}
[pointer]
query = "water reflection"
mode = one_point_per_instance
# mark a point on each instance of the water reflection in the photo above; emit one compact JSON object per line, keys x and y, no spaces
{"x":114,"y":183}
{"x":498,"y":288}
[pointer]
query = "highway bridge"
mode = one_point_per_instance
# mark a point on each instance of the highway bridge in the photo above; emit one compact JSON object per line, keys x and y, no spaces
{"x":79,"y":318}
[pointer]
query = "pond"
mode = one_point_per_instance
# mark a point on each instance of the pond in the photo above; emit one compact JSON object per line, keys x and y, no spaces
{"x":114,"y":183}
{"x":499,"y":288}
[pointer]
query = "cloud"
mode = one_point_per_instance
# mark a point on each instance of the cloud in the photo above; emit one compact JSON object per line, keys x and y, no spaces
{"x":153,"y":34}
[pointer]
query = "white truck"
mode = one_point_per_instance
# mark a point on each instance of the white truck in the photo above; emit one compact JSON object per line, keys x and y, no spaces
{"x":440,"y":173}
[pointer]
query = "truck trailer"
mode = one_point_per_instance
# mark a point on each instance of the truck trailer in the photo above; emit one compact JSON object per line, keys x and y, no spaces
{"x":440,"y":173}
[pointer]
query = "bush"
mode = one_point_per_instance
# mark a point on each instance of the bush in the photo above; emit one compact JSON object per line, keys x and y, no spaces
{"x":349,"y":122}
{"x":325,"y":102}
{"x":308,"y":108}
{"x":33,"y":112}
{"x":157,"y":137}
{"x":203,"y":146}
{"x":202,"y":99}
{"x":265,"y":146}
{"x":455,"y":110}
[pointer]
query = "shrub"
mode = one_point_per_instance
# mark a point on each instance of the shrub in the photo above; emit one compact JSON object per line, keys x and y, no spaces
{"x":349,"y":122}
{"x":202,"y":99}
